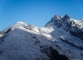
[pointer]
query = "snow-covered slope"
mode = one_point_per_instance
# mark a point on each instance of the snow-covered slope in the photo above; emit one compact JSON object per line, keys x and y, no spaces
{"x":67,"y":34}
{"x":79,"y":22}
{"x":60,"y":39}
{"x":25,"y":42}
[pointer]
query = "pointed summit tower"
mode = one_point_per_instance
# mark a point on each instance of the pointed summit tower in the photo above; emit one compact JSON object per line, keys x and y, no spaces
{"x":66,"y":17}
{"x":56,"y":17}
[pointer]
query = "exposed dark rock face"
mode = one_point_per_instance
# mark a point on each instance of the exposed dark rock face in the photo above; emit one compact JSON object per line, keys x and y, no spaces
{"x":77,"y":33}
{"x":66,"y":17}
{"x":52,"y":53}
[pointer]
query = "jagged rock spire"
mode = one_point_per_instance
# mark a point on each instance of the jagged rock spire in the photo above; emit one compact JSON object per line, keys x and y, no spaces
{"x":66,"y":17}
{"x":56,"y":17}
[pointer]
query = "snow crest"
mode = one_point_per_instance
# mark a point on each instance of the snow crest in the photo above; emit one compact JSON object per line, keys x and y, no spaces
{"x":60,"y":39}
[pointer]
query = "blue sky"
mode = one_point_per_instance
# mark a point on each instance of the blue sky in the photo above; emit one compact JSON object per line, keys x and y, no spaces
{"x":37,"y":12}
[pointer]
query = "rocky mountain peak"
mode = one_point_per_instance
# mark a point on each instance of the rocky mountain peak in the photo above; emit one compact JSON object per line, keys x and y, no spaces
{"x":61,"y":38}
{"x":66,"y":17}
{"x":56,"y":17}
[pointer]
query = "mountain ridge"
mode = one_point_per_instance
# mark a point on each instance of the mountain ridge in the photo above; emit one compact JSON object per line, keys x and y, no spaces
{"x":60,"y":38}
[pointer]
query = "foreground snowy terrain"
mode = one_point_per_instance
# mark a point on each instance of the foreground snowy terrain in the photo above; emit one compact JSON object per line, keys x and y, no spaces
{"x":60,"y":39}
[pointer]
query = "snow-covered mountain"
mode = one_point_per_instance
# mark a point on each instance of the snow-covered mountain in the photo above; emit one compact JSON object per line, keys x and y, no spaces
{"x":60,"y":39}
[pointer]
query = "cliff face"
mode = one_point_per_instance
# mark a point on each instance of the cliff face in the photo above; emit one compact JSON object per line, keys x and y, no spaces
{"x":68,"y":24}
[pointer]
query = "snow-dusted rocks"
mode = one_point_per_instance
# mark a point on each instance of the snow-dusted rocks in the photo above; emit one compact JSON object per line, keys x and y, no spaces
{"x":60,"y":39}
{"x":26,"y":44}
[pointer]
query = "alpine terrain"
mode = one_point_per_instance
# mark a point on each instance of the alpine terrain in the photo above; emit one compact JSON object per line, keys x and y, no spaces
{"x":60,"y":39}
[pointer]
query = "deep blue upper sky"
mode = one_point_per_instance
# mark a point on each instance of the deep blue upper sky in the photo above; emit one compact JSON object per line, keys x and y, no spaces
{"x":37,"y":12}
